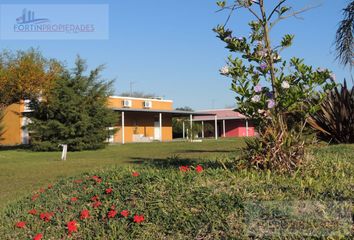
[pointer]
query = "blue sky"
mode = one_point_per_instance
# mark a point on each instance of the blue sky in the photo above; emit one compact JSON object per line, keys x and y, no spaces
{"x":167,"y":47}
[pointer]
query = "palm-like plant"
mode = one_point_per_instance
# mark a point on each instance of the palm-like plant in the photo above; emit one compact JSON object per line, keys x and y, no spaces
{"x":345,"y":37}
{"x":334,"y":122}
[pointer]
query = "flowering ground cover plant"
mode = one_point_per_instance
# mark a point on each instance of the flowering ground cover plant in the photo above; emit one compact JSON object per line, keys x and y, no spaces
{"x":274,"y":92}
{"x":181,"y":199}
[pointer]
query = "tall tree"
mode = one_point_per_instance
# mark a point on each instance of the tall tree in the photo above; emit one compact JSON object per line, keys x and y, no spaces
{"x":345,"y":36}
{"x":25,"y":74}
{"x":74,"y":113}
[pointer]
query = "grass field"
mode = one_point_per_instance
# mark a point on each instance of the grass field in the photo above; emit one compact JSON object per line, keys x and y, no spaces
{"x":223,"y":201}
{"x":23,"y":171}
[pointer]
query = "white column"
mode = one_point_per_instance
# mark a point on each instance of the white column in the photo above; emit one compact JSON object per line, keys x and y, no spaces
{"x":246,"y":128}
{"x":123,"y":128}
{"x":202,"y":129}
{"x":160,"y":122}
{"x":183,"y":126}
{"x":191,"y":124}
{"x":223,"y":127}
{"x":216,"y":127}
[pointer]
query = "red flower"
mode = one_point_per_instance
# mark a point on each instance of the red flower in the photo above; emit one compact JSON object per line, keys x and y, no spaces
{"x":21,"y":224}
{"x":72,"y":227}
{"x":78,"y":181}
{"x":84,"y":214}
{"x":34,"y":197}
{"x":198,"y":168}
{"x":112,"y":213}
{"x":73,"y":199}
{"x":46,"y":216}
{"x":96,"y":204}
{"x":135,"y":174}
{"x":124,"y":213}
{"x":138,"y":218}
{"x":38,"y":236}
{"x":97,"y":179}
{"x":32,"y":212}
{"x":184,"y":168}
{"x":50,"y":186}
{"x":109,"y":190}
{"x":95,"y":198}
{"x":41,"y":190}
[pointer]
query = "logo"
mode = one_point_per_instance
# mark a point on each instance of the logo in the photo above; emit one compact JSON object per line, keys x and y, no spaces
{"x":28,"y":17}
{"x":28,"y":23}
{"x":54,"y":21}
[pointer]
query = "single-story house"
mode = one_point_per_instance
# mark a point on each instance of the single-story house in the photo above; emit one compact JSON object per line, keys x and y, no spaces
{"x":144,"y":119}
{"x":141,"y":120}
{"x":227,"y":122}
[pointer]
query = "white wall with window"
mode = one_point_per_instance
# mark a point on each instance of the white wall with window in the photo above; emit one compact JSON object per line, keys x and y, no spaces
{"x":24,"y":132}
{"x":110,"y":138}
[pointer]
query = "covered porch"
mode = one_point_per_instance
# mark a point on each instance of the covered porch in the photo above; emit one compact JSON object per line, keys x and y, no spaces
{"x":146,"y":125}
{"x":227,"y":123}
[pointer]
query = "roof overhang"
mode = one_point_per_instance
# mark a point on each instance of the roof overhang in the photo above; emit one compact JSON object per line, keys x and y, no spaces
{"x":208,"y":118}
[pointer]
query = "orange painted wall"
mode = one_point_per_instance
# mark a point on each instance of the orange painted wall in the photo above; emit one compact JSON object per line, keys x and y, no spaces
{"x":135,"y":123}
{"x":166,"y":128}
{"x":138,"y":103}
{"x":12,"y":124}
{"x":143,"y":123}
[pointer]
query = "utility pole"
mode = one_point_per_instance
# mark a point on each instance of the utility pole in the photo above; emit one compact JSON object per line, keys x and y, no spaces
{"x":131,"y":87}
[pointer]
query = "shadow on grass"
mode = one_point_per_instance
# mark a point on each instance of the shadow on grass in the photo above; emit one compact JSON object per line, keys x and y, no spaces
{"x":206,"y":151}
{"x":14,"y":147}
{"x":175,"y":162}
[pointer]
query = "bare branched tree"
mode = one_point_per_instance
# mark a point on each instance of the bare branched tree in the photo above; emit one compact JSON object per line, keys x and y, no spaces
{"x":345,"y":36}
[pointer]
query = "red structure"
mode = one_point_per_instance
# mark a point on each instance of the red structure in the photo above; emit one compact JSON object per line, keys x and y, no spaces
{"x":227,"y":123}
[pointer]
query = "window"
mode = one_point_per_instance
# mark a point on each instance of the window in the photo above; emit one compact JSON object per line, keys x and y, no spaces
{"x":110,"y":138}
{"x":27,"y":106}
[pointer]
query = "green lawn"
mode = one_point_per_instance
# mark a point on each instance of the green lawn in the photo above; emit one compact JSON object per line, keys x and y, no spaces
{"x":223,"y":201}
{"x":22,"y":171}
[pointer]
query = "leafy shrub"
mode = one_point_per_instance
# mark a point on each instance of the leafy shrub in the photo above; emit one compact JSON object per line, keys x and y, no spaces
{"x":270,"y":89}
{"x":334,"y":121}
{"x":274,"y":150}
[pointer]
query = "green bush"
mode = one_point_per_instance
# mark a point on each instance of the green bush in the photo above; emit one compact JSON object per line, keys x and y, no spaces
{"x":269,"y":89}
{"x":275,"y":151}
